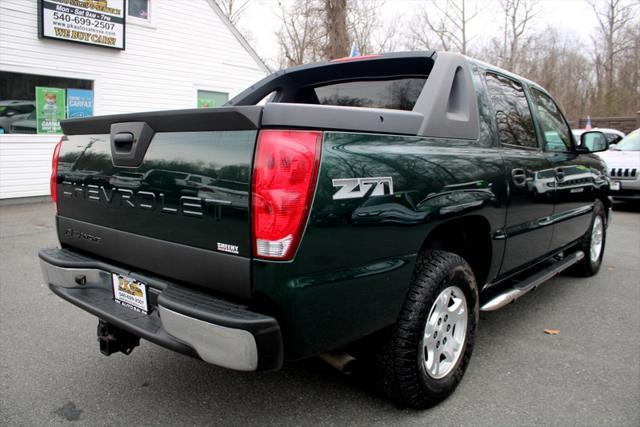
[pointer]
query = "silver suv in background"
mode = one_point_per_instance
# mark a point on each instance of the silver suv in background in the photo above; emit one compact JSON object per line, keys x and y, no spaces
{"x":623,"y":167}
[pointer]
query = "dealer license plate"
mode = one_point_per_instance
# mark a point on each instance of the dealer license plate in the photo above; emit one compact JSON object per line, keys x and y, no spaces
{"x":614,"y":185}
{"x":130,"y":293}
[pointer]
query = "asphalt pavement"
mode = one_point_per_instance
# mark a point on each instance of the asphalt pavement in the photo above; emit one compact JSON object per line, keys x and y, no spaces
{"x":51,"y":371}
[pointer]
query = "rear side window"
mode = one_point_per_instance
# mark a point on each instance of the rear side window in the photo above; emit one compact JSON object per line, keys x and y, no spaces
{"x":557,"y":136}
{"x":512,"y":114}
{"x":399,"y":94}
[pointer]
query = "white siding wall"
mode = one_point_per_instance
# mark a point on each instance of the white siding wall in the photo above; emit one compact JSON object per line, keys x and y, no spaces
{"x":185,"y":47}
{"x":25,"y":165}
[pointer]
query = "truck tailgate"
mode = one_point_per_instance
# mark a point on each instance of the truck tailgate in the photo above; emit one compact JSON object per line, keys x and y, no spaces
{"x":164,"y":192}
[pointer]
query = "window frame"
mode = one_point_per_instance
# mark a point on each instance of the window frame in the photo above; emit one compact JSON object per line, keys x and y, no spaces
{"x":542,"y":139}
{"x":23,"y":90}
{"x":525,"y":91}
{"x":142,"y":22}
{"x":485,"y":109}
{"x":199,"y":89}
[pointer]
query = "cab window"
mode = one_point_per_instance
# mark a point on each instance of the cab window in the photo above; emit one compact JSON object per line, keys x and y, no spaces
{"x":511,"y":110}
{"x":555,"y":131}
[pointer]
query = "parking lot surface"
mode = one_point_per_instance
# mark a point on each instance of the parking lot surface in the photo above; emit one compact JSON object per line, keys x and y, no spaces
{"x":51,"y":371}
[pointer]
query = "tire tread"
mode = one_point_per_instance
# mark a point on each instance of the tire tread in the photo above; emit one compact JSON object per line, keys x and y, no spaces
{"x":399,"y":377}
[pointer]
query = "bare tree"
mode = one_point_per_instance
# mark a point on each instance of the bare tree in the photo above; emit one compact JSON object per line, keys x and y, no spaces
{"x":312,"y":30}
{"x":629,"y":73}
{"x":443,"y":24}
{"x":363,"y":23}
{"x":518,"y":16}
{"x":336,"y":29}
{"x":614,"y":37}
{"x":233,"y":9}
{"x":301,"y":34}
{"x":367,"y":30}
{"x":559,"y":62}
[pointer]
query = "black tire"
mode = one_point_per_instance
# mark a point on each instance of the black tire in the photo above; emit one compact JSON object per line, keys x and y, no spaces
{"x":401,"y":372}
{"x":588,"y":267}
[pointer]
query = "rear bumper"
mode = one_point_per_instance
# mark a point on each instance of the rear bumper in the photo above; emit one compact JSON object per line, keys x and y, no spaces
{"x":181,"y":319}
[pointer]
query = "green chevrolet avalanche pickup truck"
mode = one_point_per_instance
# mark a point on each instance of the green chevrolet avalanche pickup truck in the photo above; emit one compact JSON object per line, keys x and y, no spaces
{"x":369,"y":206}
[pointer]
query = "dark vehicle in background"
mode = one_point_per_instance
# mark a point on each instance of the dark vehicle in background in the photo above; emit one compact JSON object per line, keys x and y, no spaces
{"x":373,"y":206}
{"x":12,"y":111}
{"x":623,"y":166}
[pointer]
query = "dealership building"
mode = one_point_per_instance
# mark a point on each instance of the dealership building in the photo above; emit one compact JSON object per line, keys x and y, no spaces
{"x":75,"y":58}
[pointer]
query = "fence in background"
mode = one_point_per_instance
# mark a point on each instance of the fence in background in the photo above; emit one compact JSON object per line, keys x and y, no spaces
{"x":624,"y":124}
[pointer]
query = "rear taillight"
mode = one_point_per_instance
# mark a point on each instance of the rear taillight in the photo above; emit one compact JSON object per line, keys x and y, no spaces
{"x":285,"y":171}
{"x":54,"y":172}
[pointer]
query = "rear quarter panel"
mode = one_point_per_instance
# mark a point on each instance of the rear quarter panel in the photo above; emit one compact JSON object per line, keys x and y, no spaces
{"x":354,"y":264}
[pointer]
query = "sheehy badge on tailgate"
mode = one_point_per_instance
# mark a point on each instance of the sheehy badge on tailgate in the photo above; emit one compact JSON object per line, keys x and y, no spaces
{"x":130,"y":293}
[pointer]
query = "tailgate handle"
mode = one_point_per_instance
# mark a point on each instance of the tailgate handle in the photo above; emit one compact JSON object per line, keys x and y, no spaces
{"x":129,"y":143}
{"x":123,"y":141}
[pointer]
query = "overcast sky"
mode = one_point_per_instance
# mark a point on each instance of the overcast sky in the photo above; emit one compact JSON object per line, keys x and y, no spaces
{"x":574,"y":16}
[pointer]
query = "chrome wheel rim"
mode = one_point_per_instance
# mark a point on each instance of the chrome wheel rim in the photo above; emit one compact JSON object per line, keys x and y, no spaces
{"x":444,"y":333}
{"x":596,"y":239}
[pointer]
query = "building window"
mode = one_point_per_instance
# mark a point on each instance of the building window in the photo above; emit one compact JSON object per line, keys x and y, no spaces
{"x":139,"y":9}
{"x":32,"y":103}
{"x":208,"y":99}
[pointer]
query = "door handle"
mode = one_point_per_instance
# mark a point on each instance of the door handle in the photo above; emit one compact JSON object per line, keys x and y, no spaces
{"x":519,"y":177}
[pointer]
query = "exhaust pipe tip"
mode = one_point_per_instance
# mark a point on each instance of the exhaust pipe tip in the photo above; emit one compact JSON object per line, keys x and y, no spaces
{"x":341,"y":361}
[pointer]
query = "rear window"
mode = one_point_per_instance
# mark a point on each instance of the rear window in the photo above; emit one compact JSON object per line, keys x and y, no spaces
{"x":398,"y":94}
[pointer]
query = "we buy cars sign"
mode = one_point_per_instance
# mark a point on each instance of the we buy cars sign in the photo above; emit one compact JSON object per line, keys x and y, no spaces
{"x":94,"y":22}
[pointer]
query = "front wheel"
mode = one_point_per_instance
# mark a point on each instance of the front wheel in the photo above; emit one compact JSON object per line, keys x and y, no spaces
{"x":426,"y":352}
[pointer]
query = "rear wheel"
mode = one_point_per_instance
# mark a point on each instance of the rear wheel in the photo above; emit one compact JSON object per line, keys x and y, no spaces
{"x":425,"y":354}
{"x":593,"y":243}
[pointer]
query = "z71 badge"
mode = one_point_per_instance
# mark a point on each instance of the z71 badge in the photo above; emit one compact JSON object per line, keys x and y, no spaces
{"x":354,"y":188}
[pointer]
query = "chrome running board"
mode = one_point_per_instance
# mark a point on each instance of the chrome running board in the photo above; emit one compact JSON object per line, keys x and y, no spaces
{"x":532,"y":282}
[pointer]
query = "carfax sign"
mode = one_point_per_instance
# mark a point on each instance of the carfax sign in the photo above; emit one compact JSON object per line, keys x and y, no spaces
{"x":79,"y":103}
{"x":50,"y":109}
{"x":95,"y":22}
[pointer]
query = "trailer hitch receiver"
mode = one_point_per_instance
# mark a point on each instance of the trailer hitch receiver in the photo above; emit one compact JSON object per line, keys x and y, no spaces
{"x":113,"y":339}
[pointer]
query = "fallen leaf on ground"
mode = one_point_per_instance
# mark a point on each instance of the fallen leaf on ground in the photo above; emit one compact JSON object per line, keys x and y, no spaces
{"x":552,"y":331}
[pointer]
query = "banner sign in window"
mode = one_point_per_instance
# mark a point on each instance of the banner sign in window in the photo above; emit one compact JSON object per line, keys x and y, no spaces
{"x":95,"y":22}
{"x":50,"y":109}
{"x":79,"y":103}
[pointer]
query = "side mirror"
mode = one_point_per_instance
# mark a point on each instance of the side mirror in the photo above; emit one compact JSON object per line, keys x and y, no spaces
{"x":593,"y":142}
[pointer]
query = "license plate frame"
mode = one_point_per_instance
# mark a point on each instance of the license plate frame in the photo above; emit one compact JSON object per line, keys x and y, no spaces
{"x":130,"y":293}
{"x":615,"y":186}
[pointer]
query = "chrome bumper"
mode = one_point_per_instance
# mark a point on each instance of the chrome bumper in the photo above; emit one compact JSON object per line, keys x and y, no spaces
{"x":227,"y":347}
{"x":184,"y":320}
